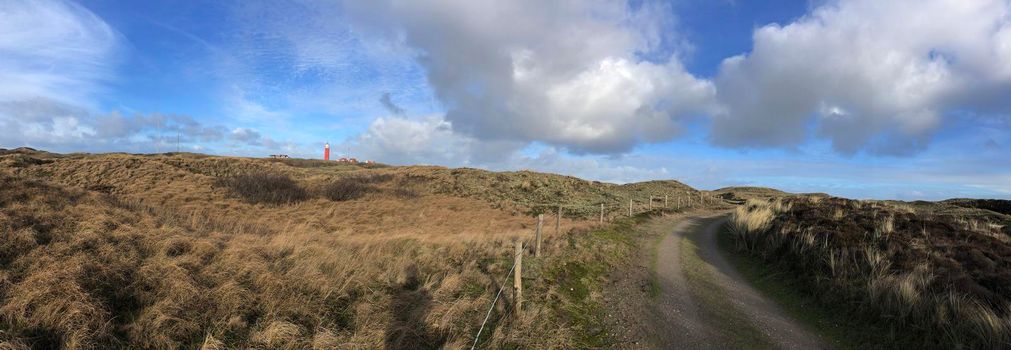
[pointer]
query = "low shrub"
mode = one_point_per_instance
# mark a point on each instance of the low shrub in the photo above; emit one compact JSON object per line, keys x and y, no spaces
{"x":345,"y":189}
{"x":350,"y":188}
{"x":266,"y":188}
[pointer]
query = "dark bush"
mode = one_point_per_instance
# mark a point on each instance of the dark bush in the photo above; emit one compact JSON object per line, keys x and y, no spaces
{"x":268,"y":188}
{"x":346,"y":189}
{"x":357,"y":186}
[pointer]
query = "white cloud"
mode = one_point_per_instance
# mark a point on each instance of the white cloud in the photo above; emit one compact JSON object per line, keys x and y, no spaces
{"x":877,"y":75}
{"x":49,"y":124}
{"x":53,"y":49}
{"x":246,"y":135}
{"x":431,"y":140}
{"x":603,"y":77}
{"x":563,"y":73}
{"x":427,"y":140}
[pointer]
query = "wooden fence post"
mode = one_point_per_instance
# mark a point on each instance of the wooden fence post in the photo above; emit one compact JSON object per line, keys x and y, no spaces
{"x":665,"y":203}
{"x":651,"y":202}
{"x":540,"y":222}
{"x":601,"y":213}
{"x":629,"y":207}
{"x":518,"y":278}
{"x":558,"y":220}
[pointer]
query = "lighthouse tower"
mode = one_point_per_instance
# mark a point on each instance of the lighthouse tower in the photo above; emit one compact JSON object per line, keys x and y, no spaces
{"x":326,"y":151}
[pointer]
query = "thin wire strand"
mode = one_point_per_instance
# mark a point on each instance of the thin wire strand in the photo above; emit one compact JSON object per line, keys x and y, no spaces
{"x":492,"y":307}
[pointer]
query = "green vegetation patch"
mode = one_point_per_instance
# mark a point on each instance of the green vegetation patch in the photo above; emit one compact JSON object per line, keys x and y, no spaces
{"x":579,"y":276}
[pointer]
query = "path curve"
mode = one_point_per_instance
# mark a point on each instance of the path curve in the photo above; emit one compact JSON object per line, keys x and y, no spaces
{"x":682,"y":325}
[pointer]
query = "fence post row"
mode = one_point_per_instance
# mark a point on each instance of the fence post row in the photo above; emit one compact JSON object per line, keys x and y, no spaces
{"x":518,"y":244}
{"x":537,"y":247}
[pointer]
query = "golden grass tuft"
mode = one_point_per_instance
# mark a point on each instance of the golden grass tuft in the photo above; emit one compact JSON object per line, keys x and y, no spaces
{"x":887,"y":225}
{"x":212,"y":343}
{"x":279,"y":335}
{"x":750,"y":221}
{"x":325,"y":339}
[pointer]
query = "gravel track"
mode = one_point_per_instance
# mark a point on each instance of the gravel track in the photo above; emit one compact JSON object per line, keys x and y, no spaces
{"x":677,"y":318}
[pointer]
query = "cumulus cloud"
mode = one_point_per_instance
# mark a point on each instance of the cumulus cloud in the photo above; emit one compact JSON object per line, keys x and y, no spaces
{"x":253,"y":137}
{"x":431,"y":140}
{"x":568,"y":74}
{"x":603,"y":77}
{"x":53,"y":49}
{"x":866,"y":75}
{"x":54,"y":125}
{"x":246,"y":135}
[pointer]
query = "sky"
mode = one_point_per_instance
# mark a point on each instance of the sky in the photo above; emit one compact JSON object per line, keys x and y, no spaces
{"x":900,"y":99}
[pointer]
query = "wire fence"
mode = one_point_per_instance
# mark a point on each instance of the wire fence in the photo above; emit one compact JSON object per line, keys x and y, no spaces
{"x":497,"y":295}
{"x":616,"y":206}
{"x":693,"y":201}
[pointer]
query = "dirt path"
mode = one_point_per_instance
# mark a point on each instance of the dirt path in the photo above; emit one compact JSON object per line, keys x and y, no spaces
{"x":702,"y":302}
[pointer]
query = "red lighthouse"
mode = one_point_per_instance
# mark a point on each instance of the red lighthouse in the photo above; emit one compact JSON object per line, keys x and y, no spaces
{"x":326,"y":151}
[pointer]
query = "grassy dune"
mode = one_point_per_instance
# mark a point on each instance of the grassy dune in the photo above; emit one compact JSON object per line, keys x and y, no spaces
{"x":178,"y":251}
{"x":929,"y":275}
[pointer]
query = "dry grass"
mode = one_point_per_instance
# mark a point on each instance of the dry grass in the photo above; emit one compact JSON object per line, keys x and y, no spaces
{"x":262,"y":187}
{"x":750,"y":221}
{"x":163,"y":258}
{"x":934,"y":281}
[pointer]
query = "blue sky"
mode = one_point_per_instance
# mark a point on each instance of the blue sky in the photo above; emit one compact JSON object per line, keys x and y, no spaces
{"x":856,"y":98}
